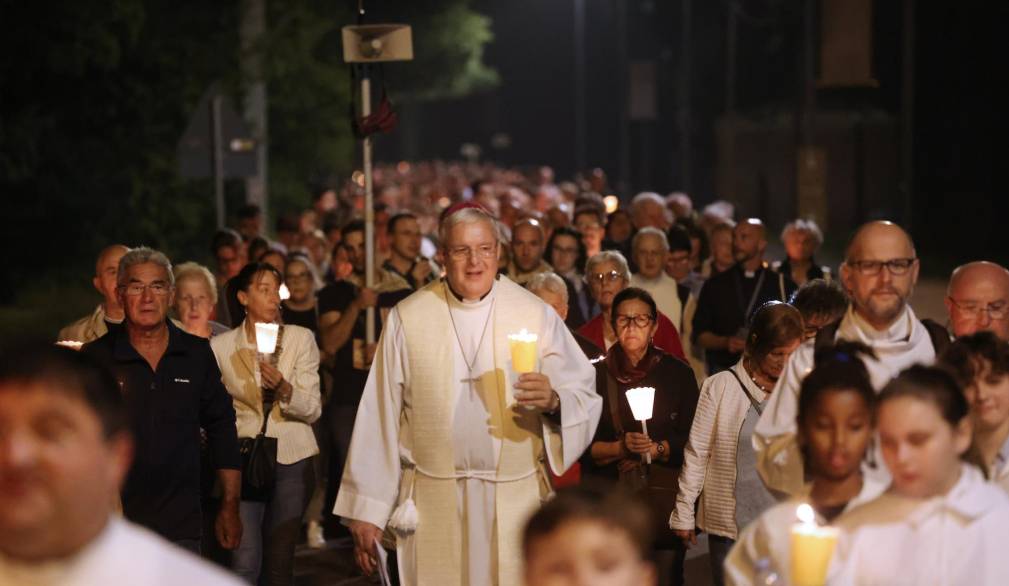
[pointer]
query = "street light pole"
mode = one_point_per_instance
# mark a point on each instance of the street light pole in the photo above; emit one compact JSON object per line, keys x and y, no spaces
{"x":369,"y":207}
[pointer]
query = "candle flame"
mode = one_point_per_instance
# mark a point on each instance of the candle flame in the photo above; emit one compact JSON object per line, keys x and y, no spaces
{"x":523,"y":336}
{"x":805,"y":514}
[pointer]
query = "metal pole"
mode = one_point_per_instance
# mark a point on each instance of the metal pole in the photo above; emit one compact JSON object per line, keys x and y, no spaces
{"x":730,"y":65}
{"x":624,"y":92}
{"x":369,"y":211}
{"x":218,"y":157}
{"x":907,"y":114}
{"x":685,"y":71}
{"x":580,"y":126}
{"x":807,"y":73}
{"x":252,"y":31}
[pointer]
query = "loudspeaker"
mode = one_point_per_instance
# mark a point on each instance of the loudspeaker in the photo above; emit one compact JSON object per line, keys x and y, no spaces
{"x":372,"y":43}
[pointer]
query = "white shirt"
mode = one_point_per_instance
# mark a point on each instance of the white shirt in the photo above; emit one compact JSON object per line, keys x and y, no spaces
{"x":122,"y":554}
{"x":956,"y":538}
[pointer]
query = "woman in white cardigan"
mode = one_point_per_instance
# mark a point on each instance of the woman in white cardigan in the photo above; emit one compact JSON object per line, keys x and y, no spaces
{"x":288,"y":385}
{"x":940,"y":522}
{"x":834,"y":425}
{"x":719,"y":463}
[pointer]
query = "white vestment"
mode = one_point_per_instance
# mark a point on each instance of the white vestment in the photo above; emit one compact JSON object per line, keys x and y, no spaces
{"x":956,"y":538}
{"x":370,"y":489}
{"x":769,"y":537}
{"x":906,"y":342}
{"x":123,"y":554}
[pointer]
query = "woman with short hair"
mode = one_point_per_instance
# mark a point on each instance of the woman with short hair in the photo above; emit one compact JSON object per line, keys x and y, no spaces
{"x":619,"y":446}
{"x":195,"y":299}
{"x":720,"y":464}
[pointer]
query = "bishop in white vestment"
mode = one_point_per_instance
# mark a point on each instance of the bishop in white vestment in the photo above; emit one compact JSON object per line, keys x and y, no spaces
{"x":450,"y":447}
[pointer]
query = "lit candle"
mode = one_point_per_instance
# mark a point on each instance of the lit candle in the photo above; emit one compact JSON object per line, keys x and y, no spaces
{"x":812,"y":548}
{"x":72,"y":344}
{"x":285,"y":293}
{"x":523,"y":351}
{"x":266,"y":337}
{"x":642,"y":400}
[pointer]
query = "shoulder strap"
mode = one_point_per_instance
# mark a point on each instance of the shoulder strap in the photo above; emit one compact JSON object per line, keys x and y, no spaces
{"x":756,"y":405}
{"x":614,"y":399}
{"x":683,"y":292}
{"x":938,"y":334}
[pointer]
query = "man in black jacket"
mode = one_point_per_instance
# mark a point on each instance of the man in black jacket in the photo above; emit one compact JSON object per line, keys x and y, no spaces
{"x":173,"y":388}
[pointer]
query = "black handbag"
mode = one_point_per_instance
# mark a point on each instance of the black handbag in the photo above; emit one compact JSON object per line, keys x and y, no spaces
{"x":654,"y":484}
{"x":259,"y":454}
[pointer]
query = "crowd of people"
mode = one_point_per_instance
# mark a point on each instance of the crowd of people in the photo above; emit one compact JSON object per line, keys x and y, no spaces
{"x":776,"y":382}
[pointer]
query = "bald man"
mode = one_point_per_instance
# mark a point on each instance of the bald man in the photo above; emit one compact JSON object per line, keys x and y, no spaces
{"x":879,"y":273}
{"x":109,"y":312}
{"x":527,"y":247}
{"x":978,"y":299}
{"x":728,"y":299}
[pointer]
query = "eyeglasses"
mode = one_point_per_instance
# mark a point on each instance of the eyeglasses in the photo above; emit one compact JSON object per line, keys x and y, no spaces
{"x":640,"y":320}
{"x":158,"y":288}
{"x":870,"y":268}
{"x":610,"y":277}
{"x":565,"y":250}
{"x":464,"y":252}
{"x":997,"y":310}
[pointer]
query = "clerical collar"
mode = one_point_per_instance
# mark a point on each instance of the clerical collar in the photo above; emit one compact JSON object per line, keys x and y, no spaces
{"x":459,"y":298}
{"x":898,"y":331}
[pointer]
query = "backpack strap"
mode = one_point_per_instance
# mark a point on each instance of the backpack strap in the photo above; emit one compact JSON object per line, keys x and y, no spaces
{"x":938,"y":334}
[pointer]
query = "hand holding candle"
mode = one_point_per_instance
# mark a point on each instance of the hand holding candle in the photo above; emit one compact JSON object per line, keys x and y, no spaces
{"x":812,"y":548}
{"x":642,"y":399}
{"x":523,"y":351}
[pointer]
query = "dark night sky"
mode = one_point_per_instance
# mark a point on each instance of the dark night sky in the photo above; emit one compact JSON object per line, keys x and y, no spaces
{"x":957,"y":123}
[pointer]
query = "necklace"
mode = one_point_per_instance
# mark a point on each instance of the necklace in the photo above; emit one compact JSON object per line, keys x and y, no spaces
{"x":753,"y":377}
{"x":470,"y":364}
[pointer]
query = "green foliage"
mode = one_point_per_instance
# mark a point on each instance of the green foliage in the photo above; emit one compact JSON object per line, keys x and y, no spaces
{"x":96,"y":94}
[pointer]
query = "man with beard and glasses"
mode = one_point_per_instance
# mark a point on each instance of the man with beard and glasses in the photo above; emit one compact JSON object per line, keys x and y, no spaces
{"x":879,"y":273}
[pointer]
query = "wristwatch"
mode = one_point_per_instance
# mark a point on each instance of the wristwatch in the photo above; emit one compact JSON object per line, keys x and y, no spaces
{"x":661,"y":449}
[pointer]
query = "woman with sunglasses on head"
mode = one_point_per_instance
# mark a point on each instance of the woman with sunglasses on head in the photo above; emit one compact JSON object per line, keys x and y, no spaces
{"x":940,"y":522}
{"x":719,"y":462}
{"x":620,"y":449}
{"x":834,"y":431}
{"x":277,"y":395}
{"x":607,"y":274}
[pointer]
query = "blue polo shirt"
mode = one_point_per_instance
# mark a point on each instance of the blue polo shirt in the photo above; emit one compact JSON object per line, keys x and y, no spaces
{"x":167,"y":408}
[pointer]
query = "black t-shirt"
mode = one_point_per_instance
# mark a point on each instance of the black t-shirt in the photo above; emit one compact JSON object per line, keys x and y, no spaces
{"x":306,"y":318}
{"x":350,"y":371}
{"x":722,"y":307}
